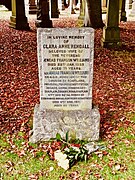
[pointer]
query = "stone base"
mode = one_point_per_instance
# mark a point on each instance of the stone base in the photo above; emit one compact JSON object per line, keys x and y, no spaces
{"x":110,"y":44}
{"x":123,"y":17}
{"x":111,"y":37}
{"x":20,"y":24}
{"x":42,"y":24}
{"x":80,"y":23}
{"x":80,"y":124}
{"x":55,"y":15}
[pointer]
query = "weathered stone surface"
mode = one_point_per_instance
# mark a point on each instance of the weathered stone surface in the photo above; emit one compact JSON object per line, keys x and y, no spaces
{"x":65,"y":61}
{"x":111,"y":37}
{"x":80,"y":124}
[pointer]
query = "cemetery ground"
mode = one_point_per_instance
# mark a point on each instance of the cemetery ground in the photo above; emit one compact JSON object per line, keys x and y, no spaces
{"x":113,"y":93}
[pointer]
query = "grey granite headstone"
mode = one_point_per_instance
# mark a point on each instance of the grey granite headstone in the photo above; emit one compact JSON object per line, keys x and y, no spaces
{"x":65,"y":61}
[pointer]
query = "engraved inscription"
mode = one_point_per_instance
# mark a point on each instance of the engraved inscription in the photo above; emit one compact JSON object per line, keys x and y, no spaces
{"x":66,"y":68}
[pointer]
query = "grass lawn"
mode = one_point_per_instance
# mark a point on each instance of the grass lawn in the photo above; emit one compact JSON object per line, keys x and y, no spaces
{"x":22,"y":160}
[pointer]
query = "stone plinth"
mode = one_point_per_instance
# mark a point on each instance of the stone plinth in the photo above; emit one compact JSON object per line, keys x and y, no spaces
{"x":80,"y":124}
{"x":65,"y":61}
{"x":111,"y":37}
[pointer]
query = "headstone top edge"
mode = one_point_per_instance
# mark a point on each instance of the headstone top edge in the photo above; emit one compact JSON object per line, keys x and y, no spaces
{"x":91,"y":30}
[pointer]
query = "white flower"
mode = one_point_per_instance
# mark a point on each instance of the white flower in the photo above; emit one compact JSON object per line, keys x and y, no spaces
{"x":61,"y":159}
{"x":64,"y":164}
{"x":58,"y":155}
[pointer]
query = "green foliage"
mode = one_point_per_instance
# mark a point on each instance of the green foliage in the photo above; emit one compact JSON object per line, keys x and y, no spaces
{"x":58,"y":137}
{"x":67,"y":136}
{"x":75,"y":154}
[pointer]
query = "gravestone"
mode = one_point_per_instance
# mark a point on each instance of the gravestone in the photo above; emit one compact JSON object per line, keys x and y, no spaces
{"x":65,"y":61}
{"x":43,"y":17}
{"x":123,"y":11}
{"x":18,"y":20}
{"x":111,"y":30}
{"x":54,"y":9}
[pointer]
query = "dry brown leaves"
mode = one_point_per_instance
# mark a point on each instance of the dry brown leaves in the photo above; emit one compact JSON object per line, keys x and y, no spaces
{"x":19,"y":88}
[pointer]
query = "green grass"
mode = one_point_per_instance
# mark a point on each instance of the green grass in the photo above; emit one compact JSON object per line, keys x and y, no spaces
{"x":116,"y":162}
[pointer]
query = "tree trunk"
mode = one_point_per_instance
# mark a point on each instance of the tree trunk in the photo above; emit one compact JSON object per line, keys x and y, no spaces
{"x":93,"y":15}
